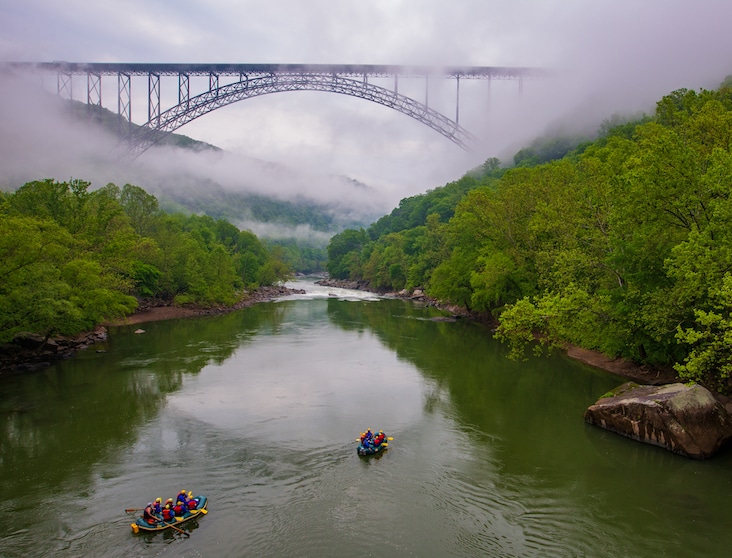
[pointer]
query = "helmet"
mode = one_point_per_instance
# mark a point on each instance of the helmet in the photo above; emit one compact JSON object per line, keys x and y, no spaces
{"x":168,"y":500}
{"x":158,"y":500}
{"x":183,"y":491}
{"x":149,"y":504}
{"x":167,"y":506}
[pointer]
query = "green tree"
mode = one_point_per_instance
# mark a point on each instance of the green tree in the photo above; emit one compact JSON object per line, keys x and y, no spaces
{"x":387,"y":265}
{"x":343,"y":253}
{"x":141,"y":208}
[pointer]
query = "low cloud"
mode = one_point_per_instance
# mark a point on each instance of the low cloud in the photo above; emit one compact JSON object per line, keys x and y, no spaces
{"x":605,"y":56}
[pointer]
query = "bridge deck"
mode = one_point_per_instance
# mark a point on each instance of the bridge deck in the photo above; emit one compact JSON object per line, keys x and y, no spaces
{"x":348,"y":70}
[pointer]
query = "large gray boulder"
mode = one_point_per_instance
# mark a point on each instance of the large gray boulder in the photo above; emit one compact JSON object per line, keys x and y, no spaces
{"x":684,"y":419}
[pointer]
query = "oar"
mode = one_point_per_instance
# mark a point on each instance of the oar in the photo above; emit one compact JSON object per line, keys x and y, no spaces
{"x":130,"y":510}
{"x":186,"y":533}
{"x":203,"y":511}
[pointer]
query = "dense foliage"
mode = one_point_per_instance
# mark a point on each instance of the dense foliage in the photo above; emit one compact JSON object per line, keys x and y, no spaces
{"x":305,"y":253}
{"x":71,"y":258}
{"x":623,"y":245}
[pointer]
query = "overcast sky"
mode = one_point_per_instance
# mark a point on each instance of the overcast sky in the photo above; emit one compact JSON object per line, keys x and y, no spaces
{"x":607,"y":55}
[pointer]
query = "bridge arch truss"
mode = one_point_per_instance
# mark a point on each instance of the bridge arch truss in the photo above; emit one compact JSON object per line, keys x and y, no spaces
{"x":253,"y":80}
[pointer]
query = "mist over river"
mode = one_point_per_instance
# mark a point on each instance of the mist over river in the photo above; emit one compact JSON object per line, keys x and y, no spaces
{"x":259,"y":410}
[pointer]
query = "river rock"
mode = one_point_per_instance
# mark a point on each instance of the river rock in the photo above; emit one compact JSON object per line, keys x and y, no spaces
{"x":29,"y":352}
{"x":684,"y":419}
{"x":34,"y":342}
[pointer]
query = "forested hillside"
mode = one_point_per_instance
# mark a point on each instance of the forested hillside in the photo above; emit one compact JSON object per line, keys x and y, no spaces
{"x":301,"y":226}
{"x":301,"y":229}
{"x":623,"y":245}
{"x":71,"y":258}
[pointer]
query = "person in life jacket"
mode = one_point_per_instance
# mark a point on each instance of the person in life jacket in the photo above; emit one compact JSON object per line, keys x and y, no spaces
{"x":367,"y":436}
{"x":158,"y":506}
{"x":168,"y":513}
{"x":180,"y":508}
{"x":192,"y":502}
{"x":379,"y":438}
{"x":147,"y":514}
{"x":182,"y":497}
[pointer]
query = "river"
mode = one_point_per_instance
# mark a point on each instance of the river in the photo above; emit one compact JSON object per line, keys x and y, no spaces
{"x":259,"y":410}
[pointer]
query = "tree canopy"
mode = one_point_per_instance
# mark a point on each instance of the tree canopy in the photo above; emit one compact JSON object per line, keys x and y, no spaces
{"x":622,"y":244}
{"x":72,"y":257}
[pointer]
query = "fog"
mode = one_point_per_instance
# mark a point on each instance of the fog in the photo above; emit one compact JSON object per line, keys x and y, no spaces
{"x":604,"y":58}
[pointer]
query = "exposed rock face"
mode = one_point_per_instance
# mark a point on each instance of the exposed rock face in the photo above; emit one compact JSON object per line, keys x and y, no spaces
{"x":29,"y":352}
{"x":687,"y":420}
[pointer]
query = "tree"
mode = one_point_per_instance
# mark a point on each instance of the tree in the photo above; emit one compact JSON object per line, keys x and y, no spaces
{"x":141,"y":207}
{"x":343,"y":251}
{"x":710,"y":359}
{"x":387,"y":265}
{"x":44,"y":288}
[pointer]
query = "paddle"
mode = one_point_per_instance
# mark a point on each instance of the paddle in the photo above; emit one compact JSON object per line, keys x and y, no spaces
{"x":162,"y":522}
{"x":204,"y":512}
{"x":130,"y":510}
{"x":186,"y":533}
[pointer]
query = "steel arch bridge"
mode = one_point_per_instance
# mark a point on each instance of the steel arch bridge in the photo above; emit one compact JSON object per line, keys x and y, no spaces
{"x":252,"y":80}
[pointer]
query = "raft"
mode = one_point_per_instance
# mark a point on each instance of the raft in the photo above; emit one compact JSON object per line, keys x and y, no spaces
{"x":365,"y":451}
{"x":141,"y":525}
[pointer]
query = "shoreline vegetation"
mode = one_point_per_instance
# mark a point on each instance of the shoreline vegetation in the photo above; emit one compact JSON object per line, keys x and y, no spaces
{"x":619,"y":242}
{"x":31,"y":352}
{"x":618,"y":366}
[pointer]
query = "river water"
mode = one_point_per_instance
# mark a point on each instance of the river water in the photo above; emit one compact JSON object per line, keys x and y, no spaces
{"x":260,"y":409}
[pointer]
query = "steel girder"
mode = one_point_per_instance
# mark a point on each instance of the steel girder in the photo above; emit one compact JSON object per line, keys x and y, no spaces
{"x":124,"y":102}
{"x":172,"y":119}
{"x":260,"y":79}
{"x":346,"y":70}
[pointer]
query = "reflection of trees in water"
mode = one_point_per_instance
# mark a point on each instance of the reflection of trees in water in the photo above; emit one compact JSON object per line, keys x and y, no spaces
{"x":528,"y":405}
{"x":190,"y":344}
{"x":56,"y":424}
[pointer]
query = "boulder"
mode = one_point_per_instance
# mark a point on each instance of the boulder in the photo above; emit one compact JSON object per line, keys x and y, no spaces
{"x":684,"y":419}
{"x":34,"y":342}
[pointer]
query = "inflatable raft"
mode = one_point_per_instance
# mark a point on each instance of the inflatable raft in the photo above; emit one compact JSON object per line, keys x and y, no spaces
{"x":141,"y":525}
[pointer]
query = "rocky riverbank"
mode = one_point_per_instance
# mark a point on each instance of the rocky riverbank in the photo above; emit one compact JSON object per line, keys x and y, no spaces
{"x":621,"y":367}
{"x":153,"y":311}
{"x":708,"y":438}
{"x":29,"y":352}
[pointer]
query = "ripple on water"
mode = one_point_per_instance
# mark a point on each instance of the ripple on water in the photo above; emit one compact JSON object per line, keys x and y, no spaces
{"x":519,"y":517}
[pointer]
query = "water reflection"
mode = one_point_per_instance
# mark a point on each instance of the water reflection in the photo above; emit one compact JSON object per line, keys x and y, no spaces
{"x":259,"y":410}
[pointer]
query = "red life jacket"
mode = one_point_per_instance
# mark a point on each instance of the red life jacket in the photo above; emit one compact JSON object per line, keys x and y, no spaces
{"x":168,"y":513}
{"x":192,"y":504}
{"x":179,"y":509}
